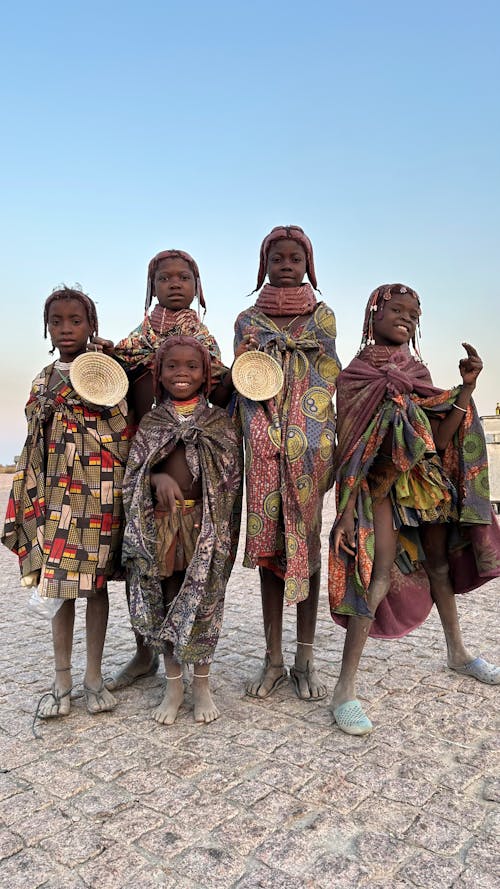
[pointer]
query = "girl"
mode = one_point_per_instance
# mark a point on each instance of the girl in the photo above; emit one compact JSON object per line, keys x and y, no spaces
{"x":64,"y":516}
{"x":174,"y":279}
{"x":289,"y":441}
{"x":182,"y":485}
{"x":412,"y":482}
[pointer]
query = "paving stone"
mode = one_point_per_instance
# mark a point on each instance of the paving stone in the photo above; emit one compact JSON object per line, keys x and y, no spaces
{"x":271,"y":795}
{"x":425,"y":870}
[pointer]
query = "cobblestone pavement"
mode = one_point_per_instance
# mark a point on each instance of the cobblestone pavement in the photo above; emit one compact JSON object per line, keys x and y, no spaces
{"x":270,"y":795}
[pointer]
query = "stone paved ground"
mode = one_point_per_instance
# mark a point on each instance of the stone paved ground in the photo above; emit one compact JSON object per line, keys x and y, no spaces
{"x":270,"y":795}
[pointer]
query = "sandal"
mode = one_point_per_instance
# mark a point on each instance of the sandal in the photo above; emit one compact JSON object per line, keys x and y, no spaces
{"x":103,"y":702}
{"x":124,"y":678}
{"x":296,"y":673}
{"x":57,"y":698}
{"x":276,"y":684}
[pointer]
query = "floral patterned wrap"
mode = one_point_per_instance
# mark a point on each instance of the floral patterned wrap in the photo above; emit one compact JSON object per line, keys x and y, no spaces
{"x":387,"y":391}
{"x":289,"y":446}
{"x":139,"y":348}
{"x":193,"y":621}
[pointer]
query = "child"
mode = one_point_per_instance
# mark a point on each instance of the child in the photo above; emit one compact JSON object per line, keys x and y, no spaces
{"x":64,"y":517}
{"x":174,"y":279}
{"x":412,"y":483}
{"x":182,"y":485}
{"x":289,"y":442}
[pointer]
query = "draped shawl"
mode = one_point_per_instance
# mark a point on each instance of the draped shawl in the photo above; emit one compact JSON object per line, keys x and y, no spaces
{"x":289,"y":441}
{"x":213,"y":452}
{"x":386,"y":389}
{"x":65,"y":511}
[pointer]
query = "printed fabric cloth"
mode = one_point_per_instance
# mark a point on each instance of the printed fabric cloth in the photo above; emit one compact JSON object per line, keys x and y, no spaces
{"x":140,"y":347}
{"x":64,"y":516}
{"x":386,"y":391}
{"x":289,"y":444}
{"x":212,"y":445}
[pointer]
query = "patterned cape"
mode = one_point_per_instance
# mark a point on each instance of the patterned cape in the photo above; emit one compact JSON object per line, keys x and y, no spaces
{"x":289,"y":444}
{"x":213,"y":451}
{"x":387,"y":389}
{"x":64,"y":515}
{"x":139,"y":348}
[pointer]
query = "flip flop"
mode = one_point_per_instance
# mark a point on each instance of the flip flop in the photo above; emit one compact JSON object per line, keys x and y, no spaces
{"x":124,"y":678}
{"x":57,"y":698}
{"x":295,"y":674}
{"x":481,"y":670}
{"x":351,"y":718}
{"x":276,"y":684}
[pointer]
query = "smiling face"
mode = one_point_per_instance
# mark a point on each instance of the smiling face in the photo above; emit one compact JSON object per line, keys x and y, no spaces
{"x":395,"y":321}
{"x":286,"y":264}
{"x":182,"y":372}
{"x":69,"y":327}
{"x":174,"y":284}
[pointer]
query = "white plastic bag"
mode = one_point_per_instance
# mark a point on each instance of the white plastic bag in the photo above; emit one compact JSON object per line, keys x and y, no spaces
{"x":44,"y":607}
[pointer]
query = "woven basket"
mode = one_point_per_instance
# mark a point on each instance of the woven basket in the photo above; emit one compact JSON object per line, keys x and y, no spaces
{"x":256,"y":375}
{"x":98,"y":379}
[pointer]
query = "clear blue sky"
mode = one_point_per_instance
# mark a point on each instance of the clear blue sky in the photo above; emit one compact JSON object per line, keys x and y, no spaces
{"x":134,"y":127}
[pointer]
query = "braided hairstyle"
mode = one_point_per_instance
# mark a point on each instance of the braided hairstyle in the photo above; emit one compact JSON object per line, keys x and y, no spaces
{"x":75,"y":292}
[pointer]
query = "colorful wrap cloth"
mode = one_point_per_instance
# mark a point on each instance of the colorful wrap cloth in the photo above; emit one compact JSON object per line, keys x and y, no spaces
{"x":64,"y":516}
{"x":387,"y":391}
{"x":213,"y":452}
{"x":289,"y":446}
{"x":138,"y":350}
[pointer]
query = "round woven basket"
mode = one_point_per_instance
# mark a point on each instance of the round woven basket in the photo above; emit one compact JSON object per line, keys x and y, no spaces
{"x":257,"y":375}
{"x":98,"y":379}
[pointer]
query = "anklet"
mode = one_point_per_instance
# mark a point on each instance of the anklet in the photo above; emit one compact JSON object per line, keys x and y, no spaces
{"x":311,"y":644}
{"x":201,"y":675}
{"x":176,"y":677}
{"x":62,"y":669}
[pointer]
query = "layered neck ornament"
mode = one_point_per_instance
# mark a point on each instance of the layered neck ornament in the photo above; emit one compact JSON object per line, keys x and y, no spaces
{"x":283,"y":301}
{"x":162,"y":320}
{"x":186,"y":408}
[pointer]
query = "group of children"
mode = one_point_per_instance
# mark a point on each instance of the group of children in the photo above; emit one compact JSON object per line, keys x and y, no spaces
{"x":150,"y":490}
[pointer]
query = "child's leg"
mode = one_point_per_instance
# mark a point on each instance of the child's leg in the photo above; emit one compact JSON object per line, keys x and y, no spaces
{"x":143,"y":663}
{"x":434,"y":542}
{"x":167,"y":710}
{"x":359,"y":627}
{"x":273,"y":673}
{"x":203,"y":703}
{"x":99,"y":698}
{"x":58,"y":703}
{"x":308,"y":685}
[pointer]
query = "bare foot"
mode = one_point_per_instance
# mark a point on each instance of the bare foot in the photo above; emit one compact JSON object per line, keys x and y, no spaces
{"x":145,"y":662}
{"x":270,"y":678}
{"x":307,"y":683}
{"x":167,"y":711}
{"x":56,"y":702}
{"x":99,"y":700}
{"x":203,"y":703}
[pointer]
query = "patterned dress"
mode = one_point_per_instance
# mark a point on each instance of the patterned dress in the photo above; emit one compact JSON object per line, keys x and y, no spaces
{"x":386,"y":392}
{"x":212,"y":445}
{"x":64,"y":516}
{"x":138,"y":350}
{"x":289,"y":446}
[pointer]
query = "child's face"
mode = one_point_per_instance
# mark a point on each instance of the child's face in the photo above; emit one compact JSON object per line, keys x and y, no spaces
{"x":174,"y":284}
{"x":68,"y":327}
{"x":182,"y":373}
{"x":286,"y":265}
{"x":395,"y":321}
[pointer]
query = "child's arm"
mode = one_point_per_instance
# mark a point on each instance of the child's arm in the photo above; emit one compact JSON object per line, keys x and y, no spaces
{"x":343,"y":530}
{"x":221,"y":395}
{"x":470,"y":368}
